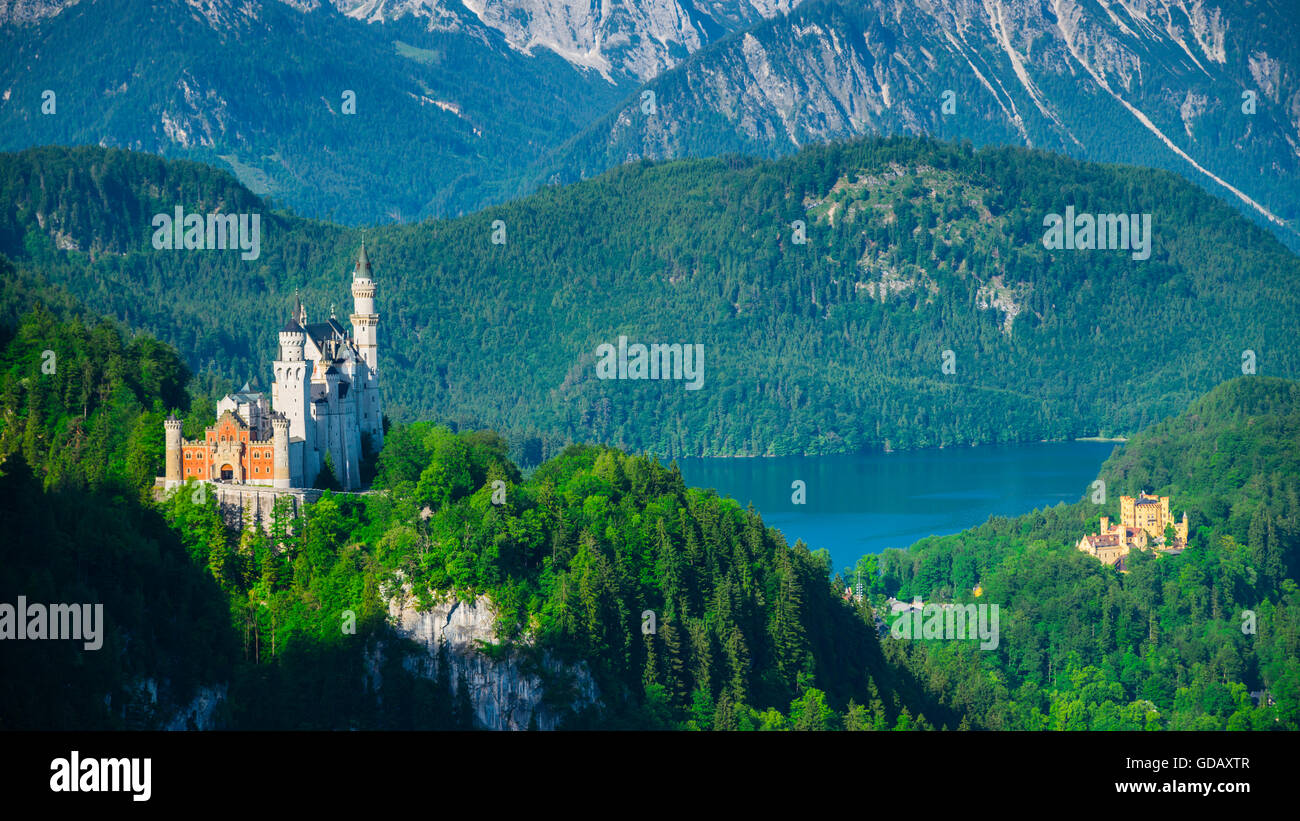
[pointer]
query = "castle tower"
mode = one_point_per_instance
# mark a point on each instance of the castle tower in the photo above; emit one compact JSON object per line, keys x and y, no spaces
{"x":172,"y":431}
{"x":332,"y":378}
{"x":291,"y":391}
{"x":365,"y":328}
{"x":280,"y":476}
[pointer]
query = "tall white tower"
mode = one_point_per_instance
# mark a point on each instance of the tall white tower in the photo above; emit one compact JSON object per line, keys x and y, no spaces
{"x":291,"y":392}
{"x":365,"y":328}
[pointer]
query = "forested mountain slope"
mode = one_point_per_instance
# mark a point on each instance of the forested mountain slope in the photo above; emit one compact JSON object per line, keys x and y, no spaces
{"x":458,"y":105}
{"x":913,"y":249}
{"x":747,"y":631}
{"x":437,"y":121}
{"x":1180,"y":641}
{"x":1208,"y":90}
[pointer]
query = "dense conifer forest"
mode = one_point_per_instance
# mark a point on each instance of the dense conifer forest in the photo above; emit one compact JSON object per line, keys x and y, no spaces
{"x":1179,"y":642}
{"x":913,"y":248}
{"x":752,"y":632}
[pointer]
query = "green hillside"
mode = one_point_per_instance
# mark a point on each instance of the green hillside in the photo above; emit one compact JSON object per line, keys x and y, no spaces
{"x":913,"y":248}
{"x":1086,"y":83}
{"x":1168,"y":645}
{"x":749,"y":631}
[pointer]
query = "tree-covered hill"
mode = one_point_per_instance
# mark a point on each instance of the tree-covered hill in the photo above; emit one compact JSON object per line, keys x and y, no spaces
{"x":80,"y":409}
{"x":913,"y":248}
{"x":1180,"y":641}
{"x":748,"y":631}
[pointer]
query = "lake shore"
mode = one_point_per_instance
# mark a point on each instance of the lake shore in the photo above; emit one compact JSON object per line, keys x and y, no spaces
{"x":856,"y":504}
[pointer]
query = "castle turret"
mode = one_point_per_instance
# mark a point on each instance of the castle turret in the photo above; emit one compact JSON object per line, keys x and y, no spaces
{"x":291,"y":392}
{"x":280,"y":442}
{"x":292,"y":338}
{"x":365,"y":329}
{"x":332,"y":377}
{"x":172,"y":433}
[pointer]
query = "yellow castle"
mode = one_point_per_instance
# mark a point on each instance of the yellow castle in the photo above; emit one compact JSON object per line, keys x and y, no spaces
{"x":1142,"y":523}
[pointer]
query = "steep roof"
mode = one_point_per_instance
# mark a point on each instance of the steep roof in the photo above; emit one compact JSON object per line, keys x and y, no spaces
{"x":245,"y":394}
{"x":322,"y":331}
{"x":362,"y":268}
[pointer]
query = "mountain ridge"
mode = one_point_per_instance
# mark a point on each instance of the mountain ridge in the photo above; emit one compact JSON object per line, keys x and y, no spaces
{"x":834,"y":70}
{"x":459,"y":107}
{"x":913,"y":248}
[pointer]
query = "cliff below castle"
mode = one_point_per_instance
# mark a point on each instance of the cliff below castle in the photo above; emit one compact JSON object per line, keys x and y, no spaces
{"x":510,"y":689}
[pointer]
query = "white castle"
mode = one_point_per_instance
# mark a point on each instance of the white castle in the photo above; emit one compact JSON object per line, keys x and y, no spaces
{"x":324,"y":404}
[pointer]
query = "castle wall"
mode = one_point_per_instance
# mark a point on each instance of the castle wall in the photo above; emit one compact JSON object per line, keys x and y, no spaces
{"x":243,"y":505}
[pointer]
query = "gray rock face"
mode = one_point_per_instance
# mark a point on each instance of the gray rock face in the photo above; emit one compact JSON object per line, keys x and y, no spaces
{"x":200,"y":713}
{"x":618,"y":38}
{"x":505,"y":691}
{"x":1147,"y":82}
{"x":505,"y":695}
{"x":31,"y":11}
{"x":149,"y":704}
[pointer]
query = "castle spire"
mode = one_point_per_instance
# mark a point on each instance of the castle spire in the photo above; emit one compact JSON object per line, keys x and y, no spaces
{"x":362,"y":269}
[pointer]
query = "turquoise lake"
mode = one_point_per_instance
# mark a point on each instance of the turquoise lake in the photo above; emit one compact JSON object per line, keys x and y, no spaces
{"x":865,"y":503}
